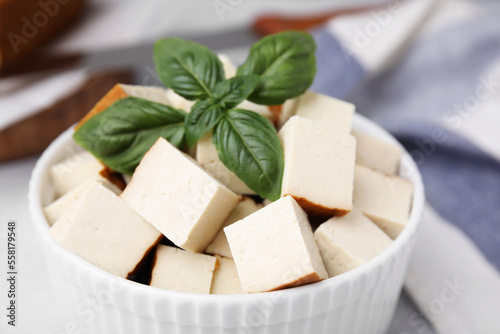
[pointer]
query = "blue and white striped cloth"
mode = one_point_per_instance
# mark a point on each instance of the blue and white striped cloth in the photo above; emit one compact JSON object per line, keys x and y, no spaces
{"x":429,"y":73}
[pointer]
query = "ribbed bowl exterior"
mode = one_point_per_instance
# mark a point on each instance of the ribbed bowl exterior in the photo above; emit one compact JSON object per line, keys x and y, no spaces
{"x":361,"y":301}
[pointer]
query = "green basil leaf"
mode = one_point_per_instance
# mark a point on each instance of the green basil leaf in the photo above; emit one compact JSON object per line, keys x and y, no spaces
{"x":249,"y":146}
{"x":203,"y":117}
{"x":190,"y":69}
{"x":120,"y":135}
{"x":286,"y":64}
{"x":230,"y":93}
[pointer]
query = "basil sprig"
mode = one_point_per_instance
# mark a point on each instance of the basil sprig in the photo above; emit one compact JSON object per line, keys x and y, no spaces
{"x":279,"y":67}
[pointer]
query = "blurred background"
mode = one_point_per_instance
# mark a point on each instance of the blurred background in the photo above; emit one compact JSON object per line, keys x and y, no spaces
{"x":93,"y":44}
{"x":412,"y":66}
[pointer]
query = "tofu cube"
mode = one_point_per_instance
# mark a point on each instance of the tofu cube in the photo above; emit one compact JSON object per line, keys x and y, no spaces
{"x":349,"y":241}
{"x":150,"y":93}
{"x":288,"y":110}
{"x":319,"y":167}
{"x":274,"y":248}
{"x":73,"y":171}
{"x":56,"y":209}
{"x":331,"y":112}
{"x":229,"y":68}
{"x":226,"y":280}
{"x":208,"y":158}
{"x":385,"y":199}
{"x":120,"y":91}
{"x":180,"y":270}
{"x":105,"y":231}
{"x":178,"y":197}
{"x":219,"y":245}
{"x":178,"y":101}
{"x":378,"y":154}
{"x":259,"y":109}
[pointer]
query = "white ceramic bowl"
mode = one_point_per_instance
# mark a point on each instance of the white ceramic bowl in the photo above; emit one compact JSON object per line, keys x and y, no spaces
{"x":360,"y":301}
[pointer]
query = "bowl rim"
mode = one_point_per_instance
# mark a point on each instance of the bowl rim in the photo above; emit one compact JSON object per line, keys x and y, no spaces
{"x":360,"y":124}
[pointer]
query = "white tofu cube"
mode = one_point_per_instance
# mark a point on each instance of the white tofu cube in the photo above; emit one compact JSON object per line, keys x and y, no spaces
{"x":349,"y":241}
{"x":73,"y":171}
{"x":150,"y":93}
{"x":331,"y":112}
{"x":385,"y":199}
{"x":288,"y":110}
{"x":266,"y":202}
{"x":180,"y":270}
{"x":105,"y":231}
{"x":178,"y":101}
{"x":219,"y":245}
{"x":229,"y":68}
{"x":375,"y":153}
{"x":258,"y":108}
{"x":208,"y":158}
{"x":56,"y":209}
{"x":226,"y":280}
{"x":319,"y":167}
{"x":120,"y":91}
{"x":127,"y":178}
{"x":274,"y":248}
{"x":178,"y":197}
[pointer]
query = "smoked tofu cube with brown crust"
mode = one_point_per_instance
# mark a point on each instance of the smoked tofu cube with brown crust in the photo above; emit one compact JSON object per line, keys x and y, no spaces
{"x":323,"y":109}
{"x":73,"y":171}
{"x":173,"y":193}
{"x":274,"y":248}
{"x":375,"y":153}
{"x":319,"y":167}
{"x":120,"y":91}
{"x":104,"y":230}
{"x":219,"y":245}
{"x":385,"y":199}
{"x":226,"y":280}
{"x":56,"y":209}
{"x":349,"y":241}
{"x":180,"y":270}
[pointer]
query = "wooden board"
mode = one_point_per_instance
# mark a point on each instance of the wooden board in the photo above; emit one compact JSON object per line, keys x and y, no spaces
{"x":26,"y":24}
{"x":34,"y":134}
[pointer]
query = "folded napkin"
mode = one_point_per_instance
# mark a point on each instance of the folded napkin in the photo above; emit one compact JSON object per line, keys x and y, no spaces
{"x":429,"y":72}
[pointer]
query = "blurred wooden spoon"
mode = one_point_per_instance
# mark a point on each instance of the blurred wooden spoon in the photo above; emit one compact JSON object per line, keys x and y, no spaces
{"x":273,"y":23}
